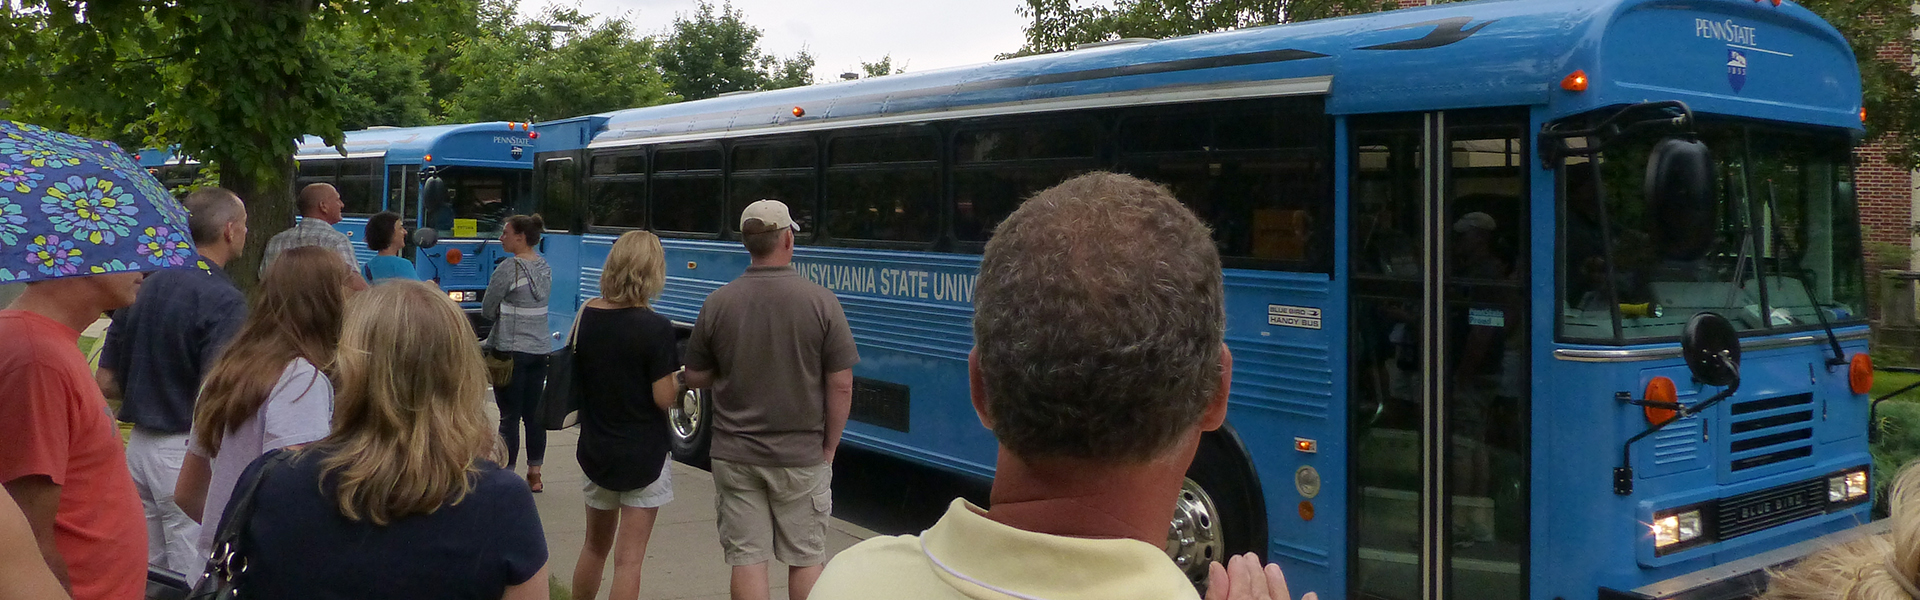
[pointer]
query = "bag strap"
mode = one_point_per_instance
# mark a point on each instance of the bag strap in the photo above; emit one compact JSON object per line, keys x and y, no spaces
{"x":576,"y":322}
{"x":239,"y":510}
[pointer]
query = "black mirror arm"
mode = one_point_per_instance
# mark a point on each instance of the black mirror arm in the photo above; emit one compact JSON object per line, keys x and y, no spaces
{"x":1552,"y":142}
{"x":1623,"y":474}
{"x":1873,"y":409}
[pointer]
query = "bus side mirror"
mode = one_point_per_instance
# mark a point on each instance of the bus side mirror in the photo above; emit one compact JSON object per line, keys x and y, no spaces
{"x":1680,"y":198}
{"x":434,"y":189}
{"x":1711,"y":349}
{"x":426,"y":237}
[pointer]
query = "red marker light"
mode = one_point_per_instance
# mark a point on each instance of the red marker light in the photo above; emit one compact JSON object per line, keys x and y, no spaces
{"x":533,"y":135}
{"x":136,"y":157}
{"x":1575,"y":82}
{"x":799,"y":112}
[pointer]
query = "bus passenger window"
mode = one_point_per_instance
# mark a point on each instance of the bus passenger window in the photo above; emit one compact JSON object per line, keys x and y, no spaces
{"x":995,"y":169}
{"x":1260,"y":173}
{"x":883,"y":188}
{"x":617,"y":193}
{"x":686,"y":191}
{"x":781,"y":171}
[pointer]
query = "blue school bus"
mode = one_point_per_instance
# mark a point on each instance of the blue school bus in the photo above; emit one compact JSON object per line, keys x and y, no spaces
{"x":173,"y":170}
{"x":1551,"y":299}
{"x":484,"y":171}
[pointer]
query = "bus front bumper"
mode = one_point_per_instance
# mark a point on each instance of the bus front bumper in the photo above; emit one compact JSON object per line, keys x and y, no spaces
{"x":1744,"y":578}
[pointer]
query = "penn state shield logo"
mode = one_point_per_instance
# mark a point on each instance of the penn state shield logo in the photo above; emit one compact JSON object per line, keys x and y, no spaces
{"x":1736,"y":69}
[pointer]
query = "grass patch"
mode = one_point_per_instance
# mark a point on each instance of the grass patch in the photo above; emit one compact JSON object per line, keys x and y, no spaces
{"x":1885,"y":382}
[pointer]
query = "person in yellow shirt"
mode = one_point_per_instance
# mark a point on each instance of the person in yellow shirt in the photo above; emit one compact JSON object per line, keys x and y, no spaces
{"x":1098,"y":362}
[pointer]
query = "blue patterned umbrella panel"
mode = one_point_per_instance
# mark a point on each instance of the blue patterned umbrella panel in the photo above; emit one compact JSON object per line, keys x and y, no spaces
{"x":72,"y":206}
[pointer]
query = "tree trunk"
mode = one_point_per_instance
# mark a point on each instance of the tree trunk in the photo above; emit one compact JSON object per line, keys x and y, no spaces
{"x":269,"y":201}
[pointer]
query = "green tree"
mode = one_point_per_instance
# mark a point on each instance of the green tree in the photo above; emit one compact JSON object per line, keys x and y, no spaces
{"x":1056,"y":25}
{"x":379,"y":85}
{"x":787,"y":72}
{"x":1882,"y":34}
{"x":233,"y":82}
{"x":712,"y":53}
{"x":882,"y":67}
{"x":562,"y":64}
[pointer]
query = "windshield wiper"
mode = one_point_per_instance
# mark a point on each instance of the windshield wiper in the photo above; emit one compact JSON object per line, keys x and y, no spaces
{"x":1806,"y":278}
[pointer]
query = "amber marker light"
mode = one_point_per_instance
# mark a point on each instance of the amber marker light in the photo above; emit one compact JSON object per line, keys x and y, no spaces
{"x":1860,"y":373}
{"x":1661,"y":389}
{"x":428,"y":158}
{"x":1306,"y":510}
{"x":454,"y":256}
{"x":799,"y":112}
{"x":1575,"y":82}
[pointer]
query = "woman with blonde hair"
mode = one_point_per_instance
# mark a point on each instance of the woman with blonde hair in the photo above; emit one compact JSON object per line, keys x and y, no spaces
{"x":1880,"y":567}
{"x":399,"y":500}
{"x":269,"y":389}
{"x":625,"y":359}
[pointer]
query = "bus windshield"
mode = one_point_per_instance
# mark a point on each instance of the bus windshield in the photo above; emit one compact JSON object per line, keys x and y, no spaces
{"x":1784,"y":241}
{"x":479,"y":198}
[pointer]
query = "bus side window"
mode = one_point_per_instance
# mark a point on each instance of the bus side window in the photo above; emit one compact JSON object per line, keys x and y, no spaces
{"x":781,"y":170}
{"x":617,"y":192}
{"x":686,"y":191}
{"x":883,"y":187}
{"x":1260,"y":173}
{"x":999,"y":166}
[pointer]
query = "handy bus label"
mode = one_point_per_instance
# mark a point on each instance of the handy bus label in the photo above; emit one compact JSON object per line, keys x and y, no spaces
{"x":1303,"y":317}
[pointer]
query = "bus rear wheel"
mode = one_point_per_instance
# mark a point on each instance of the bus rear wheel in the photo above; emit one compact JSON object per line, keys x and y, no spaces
{"x":690,"y":423}
{"x":1217,"y":514}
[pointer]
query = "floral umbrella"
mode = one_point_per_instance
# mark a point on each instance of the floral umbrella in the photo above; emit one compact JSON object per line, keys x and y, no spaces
{"x":71,"y":206}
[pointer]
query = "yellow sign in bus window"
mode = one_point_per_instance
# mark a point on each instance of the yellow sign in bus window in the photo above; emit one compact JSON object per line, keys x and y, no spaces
{"x":466,"y":228}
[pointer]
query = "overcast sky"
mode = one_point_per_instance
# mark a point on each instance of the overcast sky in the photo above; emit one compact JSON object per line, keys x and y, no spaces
{"x":921,"y":35}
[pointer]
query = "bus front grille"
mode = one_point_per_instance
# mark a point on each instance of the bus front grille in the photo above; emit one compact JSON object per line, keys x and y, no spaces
{"x":466,"y":269}
{"x":1754,"y":511}
{"x":1770,"y":431}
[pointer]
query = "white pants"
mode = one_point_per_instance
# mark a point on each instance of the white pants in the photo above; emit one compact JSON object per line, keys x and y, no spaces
{"x":173,"y":539}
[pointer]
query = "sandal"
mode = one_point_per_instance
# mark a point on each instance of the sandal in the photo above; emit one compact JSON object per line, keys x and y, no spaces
{"x":533,"y":482}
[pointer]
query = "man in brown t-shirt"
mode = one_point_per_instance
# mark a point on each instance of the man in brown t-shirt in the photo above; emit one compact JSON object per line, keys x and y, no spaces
{"x":779,"y":356}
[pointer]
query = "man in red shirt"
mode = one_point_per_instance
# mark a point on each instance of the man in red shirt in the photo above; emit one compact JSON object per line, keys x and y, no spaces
{"x":60,"y":454}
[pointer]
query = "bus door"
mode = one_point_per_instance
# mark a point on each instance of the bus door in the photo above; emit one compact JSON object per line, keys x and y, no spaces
{"x":1438,"y":229}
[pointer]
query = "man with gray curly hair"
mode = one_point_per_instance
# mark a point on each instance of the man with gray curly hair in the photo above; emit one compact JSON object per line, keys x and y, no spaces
{"x":1098,"y":362}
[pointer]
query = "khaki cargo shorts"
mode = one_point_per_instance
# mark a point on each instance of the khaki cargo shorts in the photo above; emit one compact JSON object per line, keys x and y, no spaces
{"x":779,"y":509}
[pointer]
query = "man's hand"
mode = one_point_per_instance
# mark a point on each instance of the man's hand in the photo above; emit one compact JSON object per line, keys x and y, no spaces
{"x":1244,"y":579}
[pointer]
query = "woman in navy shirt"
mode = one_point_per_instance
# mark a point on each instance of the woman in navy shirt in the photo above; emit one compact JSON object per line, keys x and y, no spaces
{"x":400,"y":500}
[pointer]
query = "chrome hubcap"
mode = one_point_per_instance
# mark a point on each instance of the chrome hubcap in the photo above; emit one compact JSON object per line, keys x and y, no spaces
{"x":685,"y":415}
{"x":1193,"y":540}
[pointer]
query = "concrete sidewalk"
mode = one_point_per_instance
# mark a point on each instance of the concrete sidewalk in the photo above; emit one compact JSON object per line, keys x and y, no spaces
{"x":683,"y":556}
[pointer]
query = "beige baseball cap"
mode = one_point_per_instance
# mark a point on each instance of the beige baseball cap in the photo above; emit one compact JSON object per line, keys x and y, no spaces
{"x":766,"y":215}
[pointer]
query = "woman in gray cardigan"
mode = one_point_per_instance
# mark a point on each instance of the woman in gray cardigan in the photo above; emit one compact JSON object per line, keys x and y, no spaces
{"x":516,"y":301}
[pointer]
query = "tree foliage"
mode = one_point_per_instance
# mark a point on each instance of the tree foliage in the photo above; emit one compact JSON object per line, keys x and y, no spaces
{"x":234,"y":82}
{"x":562,"y":64}
{"x":881,"y":67}
{"x":1882,"y":33}
{"x":1057,"y":25}
{"x":711,"y":53}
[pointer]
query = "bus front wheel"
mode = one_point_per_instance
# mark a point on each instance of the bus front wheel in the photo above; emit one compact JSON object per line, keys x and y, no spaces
{"x":690,"y":423}
{"x":1218,"y":512}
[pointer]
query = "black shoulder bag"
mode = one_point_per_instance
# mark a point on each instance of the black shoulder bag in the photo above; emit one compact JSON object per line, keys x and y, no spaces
{"x":229,"y":557}
{"x":560,"y":403}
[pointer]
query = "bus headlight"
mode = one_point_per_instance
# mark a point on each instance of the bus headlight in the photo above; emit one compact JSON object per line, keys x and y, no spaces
{"x":464,"y":296}
{"x":1847,"y":487}
{"x":1677,"y":528}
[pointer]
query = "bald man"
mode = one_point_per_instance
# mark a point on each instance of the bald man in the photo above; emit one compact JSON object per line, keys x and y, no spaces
{"x":319,"y":205}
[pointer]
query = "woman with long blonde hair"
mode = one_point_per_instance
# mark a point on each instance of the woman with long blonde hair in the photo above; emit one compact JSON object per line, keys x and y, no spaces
{"x":400,"y":500}
{"x":1880,"y":567}
{"x":625,"y":357}
{"x":269,"y":389}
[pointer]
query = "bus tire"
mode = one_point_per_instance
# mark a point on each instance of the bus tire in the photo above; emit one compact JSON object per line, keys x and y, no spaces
{"x":1219,"y":512}
{"x":690,"y":427}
